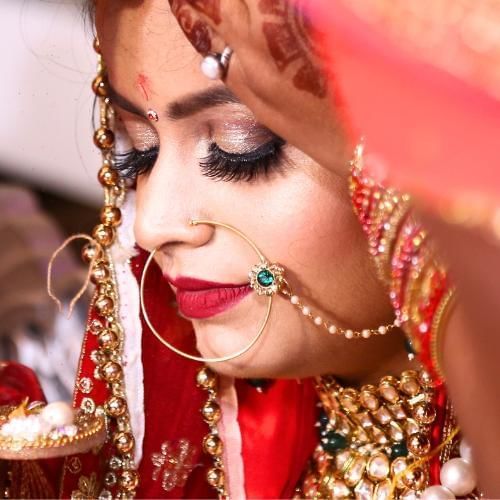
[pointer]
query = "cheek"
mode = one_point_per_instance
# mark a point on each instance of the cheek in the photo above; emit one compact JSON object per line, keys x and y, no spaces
{"x":306,"y":224}
{"x":310,"y":228}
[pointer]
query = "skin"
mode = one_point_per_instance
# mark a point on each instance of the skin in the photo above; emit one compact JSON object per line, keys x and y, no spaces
{"x":272,"y":38}
{"x":299,"y":216}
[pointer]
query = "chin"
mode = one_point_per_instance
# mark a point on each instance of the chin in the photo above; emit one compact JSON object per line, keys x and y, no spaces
{"x":253,"y":365}
{"x":237,"y":369}
{"x":275,"y":355}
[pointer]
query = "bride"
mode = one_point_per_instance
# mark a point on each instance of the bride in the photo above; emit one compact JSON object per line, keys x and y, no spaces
{"x":222,"y":241}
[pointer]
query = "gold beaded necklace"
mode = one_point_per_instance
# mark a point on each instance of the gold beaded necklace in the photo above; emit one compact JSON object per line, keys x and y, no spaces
{"x":110,"y":334}
{"x":212,"y":443}
{"x":121,"y":472}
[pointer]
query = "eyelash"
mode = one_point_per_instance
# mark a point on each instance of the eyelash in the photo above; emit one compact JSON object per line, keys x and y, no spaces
{"x":218,"y":164}
{"x":134,"y":162}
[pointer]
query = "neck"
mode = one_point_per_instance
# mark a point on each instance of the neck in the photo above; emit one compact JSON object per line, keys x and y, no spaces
{"x":389,"y":357}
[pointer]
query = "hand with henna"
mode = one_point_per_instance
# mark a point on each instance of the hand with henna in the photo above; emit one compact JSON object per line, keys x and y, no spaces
{"x":275,"y":69}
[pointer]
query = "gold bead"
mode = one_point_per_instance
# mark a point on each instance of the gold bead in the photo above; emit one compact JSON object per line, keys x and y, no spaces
{"x":99,"y":273}
{"x":107,"y":176}
{"x":129,"y":480}
{"x":90,"y":252}
{"x":124,"y":441}
{"x":211,"y":412}
{"x":424,"y":413}
{"x":98,"y":357}
{"x":111,"y":216}
{"x":414,"y":478}
{"x":97,"y":45}
{"x":96,"y":326}
{"x":116,"y":329}
{"x":104,"y":235}
{"x":111,"y":371}
{"x":419,"y":444}
{"x":104,"y":138}
{"x":108,"y":339}
{"x":206,"y":378}
{"x":212,"y":444}
{"x":215,"y":477}
{"x":100,"y":86}
{"x":107,"y":289}
{"x":349,"y":400}
{"x":105,"y":305}
{"x":115,"y":406}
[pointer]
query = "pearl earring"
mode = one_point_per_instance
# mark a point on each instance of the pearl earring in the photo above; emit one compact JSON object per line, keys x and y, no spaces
{"x":215,"y":66}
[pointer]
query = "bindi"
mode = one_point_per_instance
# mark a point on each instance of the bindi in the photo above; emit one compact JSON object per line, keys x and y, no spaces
{"x":290,"y":39}
{"x":152,"y":115}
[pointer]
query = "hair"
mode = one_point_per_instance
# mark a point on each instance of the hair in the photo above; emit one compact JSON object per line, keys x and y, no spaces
{"x":89,"y":9}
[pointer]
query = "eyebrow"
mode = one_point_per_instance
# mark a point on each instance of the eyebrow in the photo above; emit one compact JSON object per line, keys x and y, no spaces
{"x":186,"y":106}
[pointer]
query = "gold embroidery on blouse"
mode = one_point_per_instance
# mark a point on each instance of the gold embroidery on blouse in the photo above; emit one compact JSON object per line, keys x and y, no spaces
{"x":173,"y":464}
{"x":88,"y":488}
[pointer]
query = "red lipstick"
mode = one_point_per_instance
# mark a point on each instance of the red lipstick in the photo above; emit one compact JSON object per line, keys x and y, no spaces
{"x":200,"y":299}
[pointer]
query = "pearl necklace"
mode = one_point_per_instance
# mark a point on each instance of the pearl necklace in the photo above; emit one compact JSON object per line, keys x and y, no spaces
{"x":457,"y":476}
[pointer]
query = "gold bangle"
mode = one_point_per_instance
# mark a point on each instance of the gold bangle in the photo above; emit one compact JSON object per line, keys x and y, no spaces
{"x":439,"y":322}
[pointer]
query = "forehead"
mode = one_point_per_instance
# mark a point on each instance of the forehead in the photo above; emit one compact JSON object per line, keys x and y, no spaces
{"x":149,"y":59}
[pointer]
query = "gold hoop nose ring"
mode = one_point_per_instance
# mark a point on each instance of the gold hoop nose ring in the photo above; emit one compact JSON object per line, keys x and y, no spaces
{"x":265,"y":279}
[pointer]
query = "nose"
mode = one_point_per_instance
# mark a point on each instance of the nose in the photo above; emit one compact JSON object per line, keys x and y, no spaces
{"x":167,"y":200}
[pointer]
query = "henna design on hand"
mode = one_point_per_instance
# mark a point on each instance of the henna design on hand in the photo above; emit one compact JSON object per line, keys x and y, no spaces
{"x":209,"y":8}
{"x":196,"y":31}
{"x":290,"y":40}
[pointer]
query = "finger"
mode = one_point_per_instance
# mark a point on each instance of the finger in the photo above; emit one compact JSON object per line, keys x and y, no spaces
{"x":196,"y":26}
{"x":210,"y":25}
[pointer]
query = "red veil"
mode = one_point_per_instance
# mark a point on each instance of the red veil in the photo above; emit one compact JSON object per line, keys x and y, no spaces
{"x":422,"y":89}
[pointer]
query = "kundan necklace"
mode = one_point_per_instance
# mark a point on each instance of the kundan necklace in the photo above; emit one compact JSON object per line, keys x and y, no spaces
{"x":370,"y":438}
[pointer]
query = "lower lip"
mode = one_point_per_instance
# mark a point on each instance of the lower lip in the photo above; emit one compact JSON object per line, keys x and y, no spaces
{"x":203,"y":304}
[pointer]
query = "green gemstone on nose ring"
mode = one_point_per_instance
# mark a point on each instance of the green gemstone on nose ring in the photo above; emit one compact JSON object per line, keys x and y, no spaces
{"x":266,"y":278}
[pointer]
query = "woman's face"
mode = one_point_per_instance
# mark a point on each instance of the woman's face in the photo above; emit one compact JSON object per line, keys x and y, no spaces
{"x":207,"y":158}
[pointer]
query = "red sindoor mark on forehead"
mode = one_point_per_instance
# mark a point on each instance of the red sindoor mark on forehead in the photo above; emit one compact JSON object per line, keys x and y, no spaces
{"x":144,"y":86}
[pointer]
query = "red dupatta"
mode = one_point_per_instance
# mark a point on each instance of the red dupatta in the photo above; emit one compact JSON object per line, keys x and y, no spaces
{"x":429,"y":112}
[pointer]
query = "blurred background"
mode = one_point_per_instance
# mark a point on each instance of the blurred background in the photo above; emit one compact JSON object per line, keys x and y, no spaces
{"x":48,"y":187}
